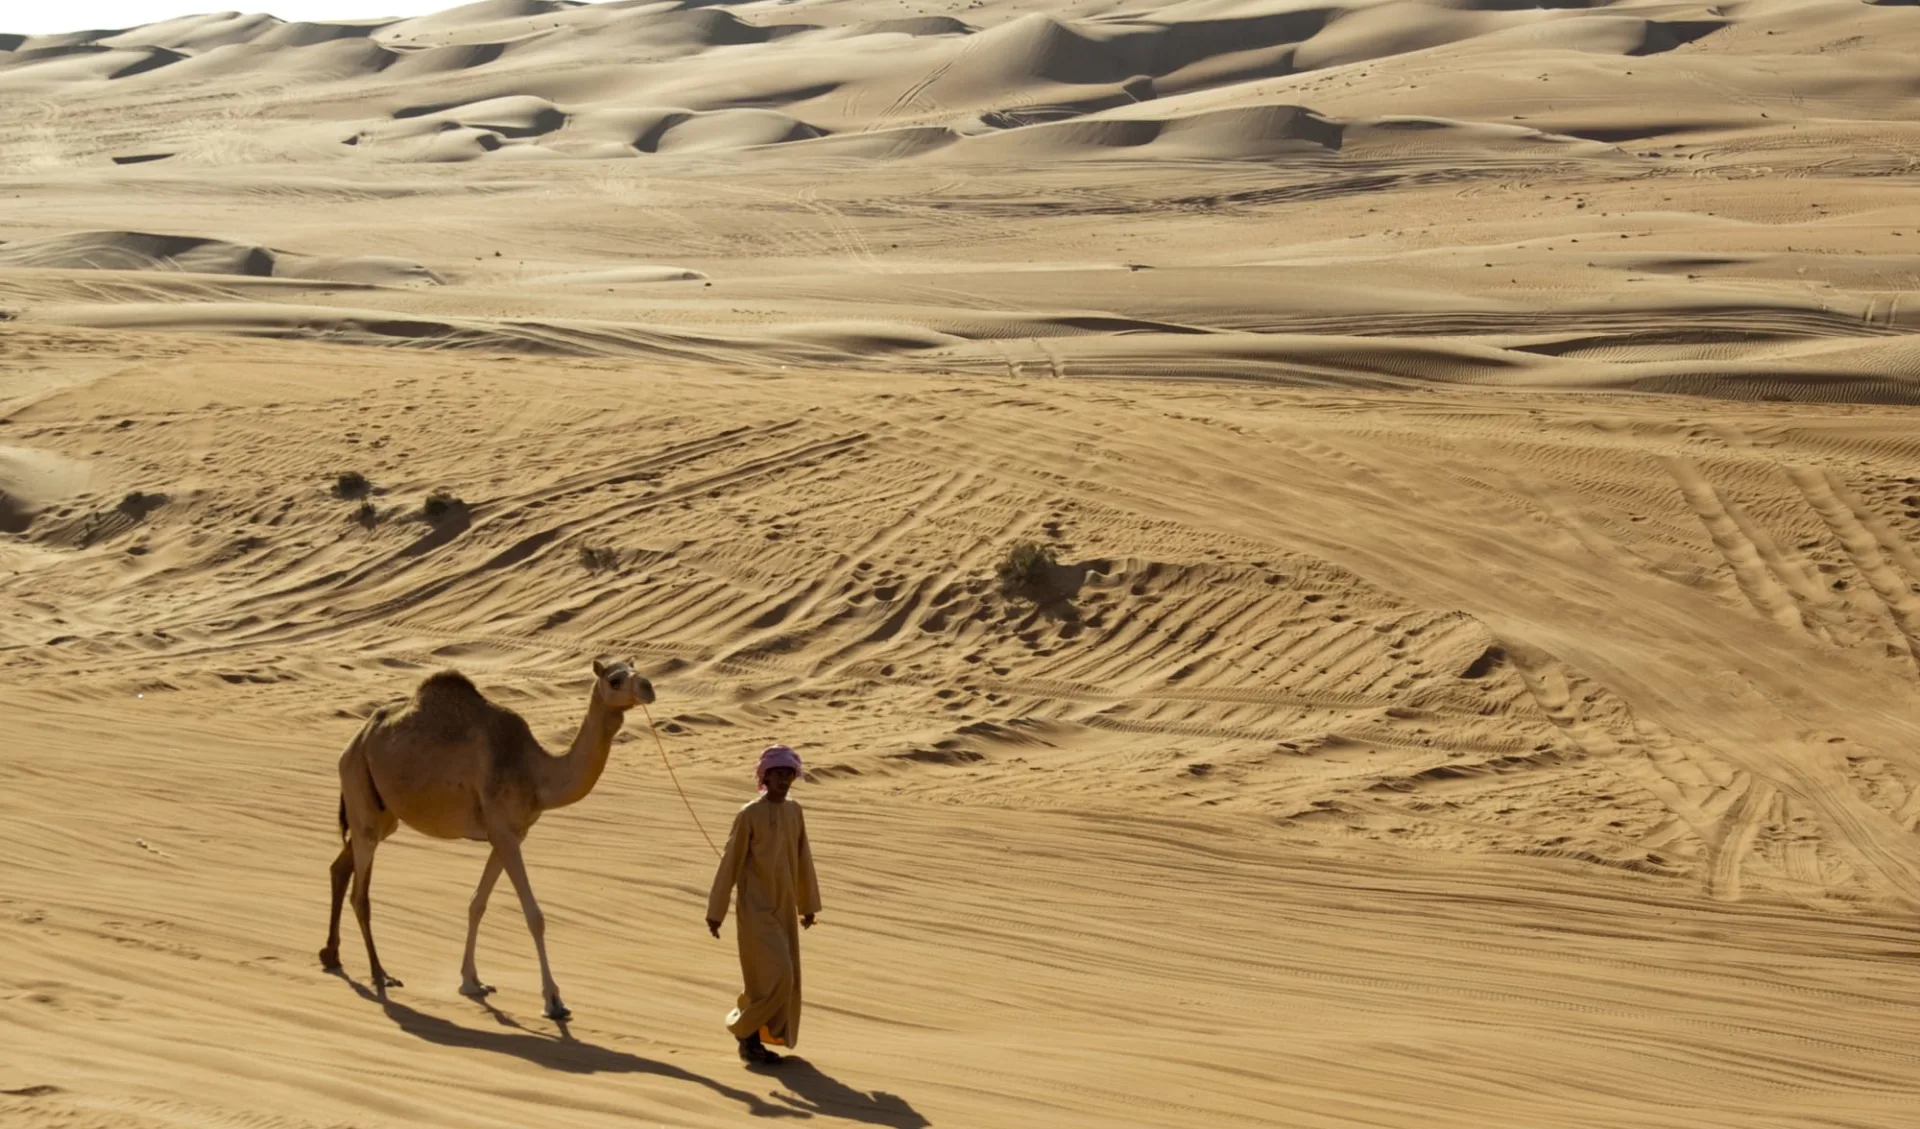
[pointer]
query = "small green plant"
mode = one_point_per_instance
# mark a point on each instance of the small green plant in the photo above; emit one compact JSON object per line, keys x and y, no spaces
{"x":599,"y":558}
{"x":351,"y":485}
{"x":1027,"y":570}
{"x":440,"y":505}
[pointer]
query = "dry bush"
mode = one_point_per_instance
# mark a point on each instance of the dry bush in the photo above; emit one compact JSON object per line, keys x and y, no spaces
{"x":1027,"y":571}
{"x":599,"y":558}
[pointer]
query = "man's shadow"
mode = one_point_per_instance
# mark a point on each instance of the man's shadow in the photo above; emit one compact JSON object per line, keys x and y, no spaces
{"x":816,"y":1093}
{"x":563,"y":1052}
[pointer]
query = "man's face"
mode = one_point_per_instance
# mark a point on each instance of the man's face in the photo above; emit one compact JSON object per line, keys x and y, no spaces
{"x":778,"y":781}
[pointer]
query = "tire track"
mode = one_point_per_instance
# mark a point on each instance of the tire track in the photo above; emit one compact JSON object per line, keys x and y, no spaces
{"x":501,"y":513}
{"x":1878,"y":555}
{"x":1734,"y":842}
{"x":1749,"y":552}
{"x":793,"y":614}
{"x":532,"y":547}
{"x":909,"y":97}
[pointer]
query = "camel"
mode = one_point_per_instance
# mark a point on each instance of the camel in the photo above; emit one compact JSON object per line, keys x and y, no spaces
{"x":453,"y":765}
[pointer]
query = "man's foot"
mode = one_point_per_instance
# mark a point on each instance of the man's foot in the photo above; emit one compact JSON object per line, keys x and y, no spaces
{"x":755,"y":1053}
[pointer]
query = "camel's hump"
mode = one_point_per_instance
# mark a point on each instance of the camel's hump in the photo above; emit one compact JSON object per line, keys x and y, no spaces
{"x":449,"y":684}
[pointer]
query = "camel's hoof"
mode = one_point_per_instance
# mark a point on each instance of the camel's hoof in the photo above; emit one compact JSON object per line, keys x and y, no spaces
{"x":330,"y":959}
{"x":382,"y":981}
{"x":476,"y":990}
{"x":558,"y":1012}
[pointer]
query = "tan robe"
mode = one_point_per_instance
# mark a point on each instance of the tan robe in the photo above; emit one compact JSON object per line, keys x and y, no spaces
{"x":768,"y":861}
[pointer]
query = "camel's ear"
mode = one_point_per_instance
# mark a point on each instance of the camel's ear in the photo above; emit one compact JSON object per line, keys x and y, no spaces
{"x":599,"y":671}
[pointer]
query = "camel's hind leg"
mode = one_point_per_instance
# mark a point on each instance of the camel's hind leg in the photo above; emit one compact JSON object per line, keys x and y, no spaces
{"x":363,"y":846}
{"x":342,"y":873}
{"x":365,"y":821}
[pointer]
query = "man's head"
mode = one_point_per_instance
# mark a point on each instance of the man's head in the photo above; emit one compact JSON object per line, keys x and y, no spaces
{"x":777,"y":781}
{"x":781,"y":761}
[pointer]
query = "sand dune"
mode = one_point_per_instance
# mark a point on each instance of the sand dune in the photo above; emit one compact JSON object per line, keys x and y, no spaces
{"x":1475,"y":438}
{"x":1378,"y":805}
{"x":136,"y":251}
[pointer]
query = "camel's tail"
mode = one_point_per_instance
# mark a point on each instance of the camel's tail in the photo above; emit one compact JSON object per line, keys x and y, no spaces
{"x":343,"y":818}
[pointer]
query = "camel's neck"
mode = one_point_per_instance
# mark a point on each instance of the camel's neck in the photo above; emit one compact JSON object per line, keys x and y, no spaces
{"x":567,"y":779}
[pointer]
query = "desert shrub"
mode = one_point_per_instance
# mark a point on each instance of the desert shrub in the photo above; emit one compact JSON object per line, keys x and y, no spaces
{"x":367,"y":514}
{"x":1027,"y":570}
{"x":599,"y":558}
{"x":440,"y":505}
{"x":351,"y":485}
{"x":138,"y":504}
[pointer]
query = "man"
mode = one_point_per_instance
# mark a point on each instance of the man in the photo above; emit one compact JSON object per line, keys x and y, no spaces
{"x":768,"y":861}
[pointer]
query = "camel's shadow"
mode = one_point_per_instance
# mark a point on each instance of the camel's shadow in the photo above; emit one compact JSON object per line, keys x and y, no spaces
{"x":816,"y":1093}
{"x":562,"y":1052}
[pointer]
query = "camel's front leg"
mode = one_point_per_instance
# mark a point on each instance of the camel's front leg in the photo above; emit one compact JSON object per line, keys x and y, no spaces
{"x":469,"y":978}
{"x":506,"y":848}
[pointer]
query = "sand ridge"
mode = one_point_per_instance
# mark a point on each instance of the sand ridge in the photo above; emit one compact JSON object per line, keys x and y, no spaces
{"x":1477,"y":440}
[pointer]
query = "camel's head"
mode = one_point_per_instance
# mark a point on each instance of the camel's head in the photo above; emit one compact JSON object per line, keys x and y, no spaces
{"x":619,"y":686}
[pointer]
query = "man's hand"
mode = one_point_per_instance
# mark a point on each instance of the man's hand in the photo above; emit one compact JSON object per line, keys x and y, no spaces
{"x":713,"y":927}
{"x":806,"y":921}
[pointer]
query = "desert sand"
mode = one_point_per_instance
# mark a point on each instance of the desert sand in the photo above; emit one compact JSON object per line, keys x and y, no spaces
{"x":1478,"y":440}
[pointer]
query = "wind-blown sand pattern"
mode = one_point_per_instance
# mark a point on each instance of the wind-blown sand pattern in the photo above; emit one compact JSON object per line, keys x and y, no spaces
{"x":1478,"y":440}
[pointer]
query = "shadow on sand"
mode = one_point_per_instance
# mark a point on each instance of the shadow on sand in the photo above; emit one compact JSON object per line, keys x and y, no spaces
{"x":816,"y":1093}
{"x":562,"y":1052}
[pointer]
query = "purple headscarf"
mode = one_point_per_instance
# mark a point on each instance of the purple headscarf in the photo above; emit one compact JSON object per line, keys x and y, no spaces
{"x":776,"y":756}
